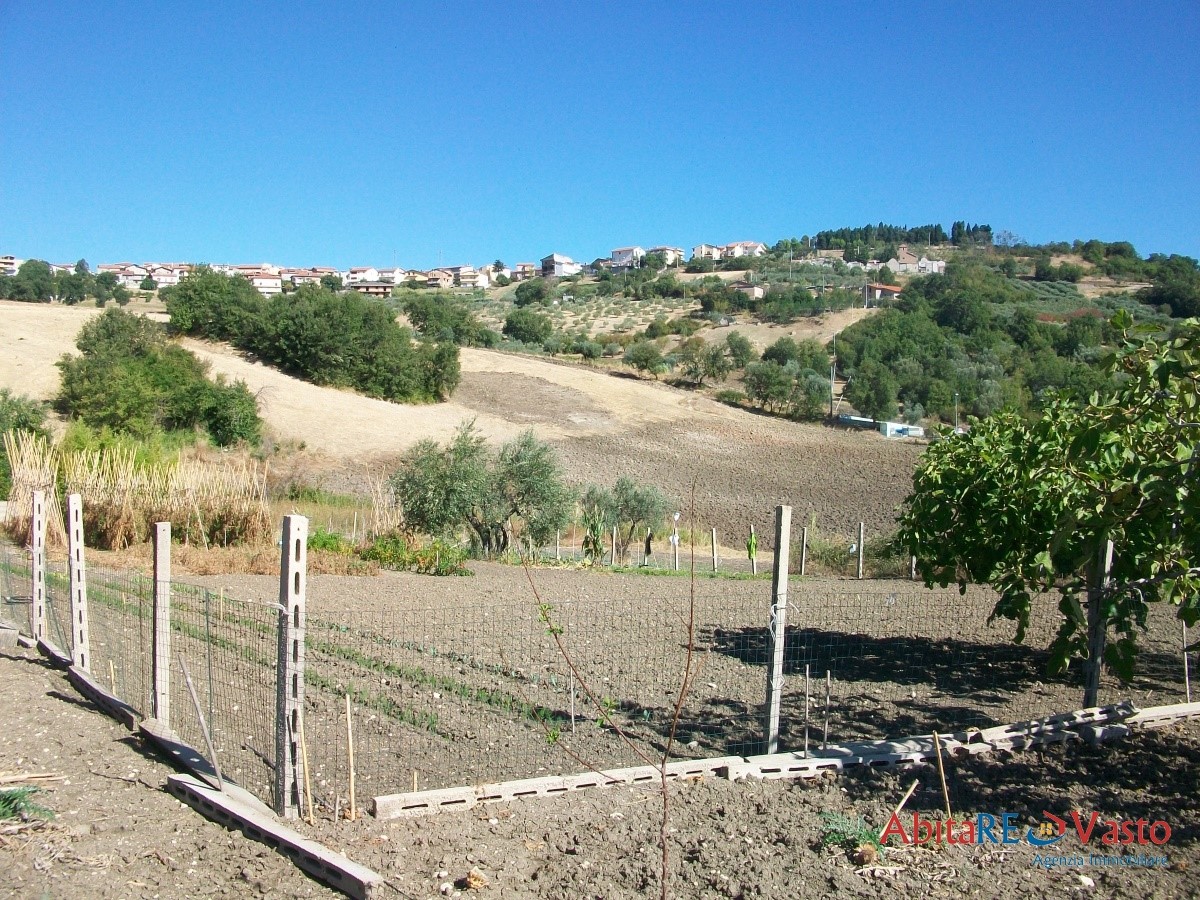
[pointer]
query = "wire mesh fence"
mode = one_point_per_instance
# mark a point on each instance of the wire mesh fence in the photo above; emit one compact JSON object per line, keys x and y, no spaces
{"x":229,"y":646}
{"x":475,"y":684}
{"x":121,"y":626}
{"x":486,"y":690}
{"x":16,"y":581}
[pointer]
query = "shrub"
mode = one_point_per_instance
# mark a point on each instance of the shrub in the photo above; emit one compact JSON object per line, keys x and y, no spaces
{"x":320,"y":539}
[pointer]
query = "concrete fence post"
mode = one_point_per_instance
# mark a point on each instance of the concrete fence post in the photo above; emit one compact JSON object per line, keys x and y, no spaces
{"x":289,"y":680}
{"x":777,"y":633}
{"x":80,"y":650}
{"x":161,"y":706}
{"x":37,"y":544}
{"x":861,"y":549}
{"x":912,"y":568}
{"x":714,"y":549}
{"x":804,"y":551}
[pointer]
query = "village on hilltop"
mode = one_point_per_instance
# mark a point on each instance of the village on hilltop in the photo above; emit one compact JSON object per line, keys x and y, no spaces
{"x":270,"y":279}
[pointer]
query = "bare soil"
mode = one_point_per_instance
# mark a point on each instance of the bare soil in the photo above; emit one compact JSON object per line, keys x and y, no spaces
{"x":118,"y":834}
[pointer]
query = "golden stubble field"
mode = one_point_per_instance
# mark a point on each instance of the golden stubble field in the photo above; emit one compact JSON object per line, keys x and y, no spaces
{"x":738,"y":465}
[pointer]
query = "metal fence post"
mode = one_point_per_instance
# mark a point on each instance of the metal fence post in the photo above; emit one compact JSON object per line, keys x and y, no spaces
{"x":161,"y":706}
{"x":862,"y":549}
{"x":37,"y":543}
{"x":80,"y":651}
{"x":289,"y":680}
{"x":777,"y":634}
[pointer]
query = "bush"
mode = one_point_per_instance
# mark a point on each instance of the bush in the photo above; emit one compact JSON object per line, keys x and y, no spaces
{"x":733,"y":398}
{"x":130,"y":379}
{"x":320,"y":539}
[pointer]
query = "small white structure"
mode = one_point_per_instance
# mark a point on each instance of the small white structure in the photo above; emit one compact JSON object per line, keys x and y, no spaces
{"x":558,"y":266}
{"x":627,"y":257}
{"x":900,"y":429}
{"x":672,"y":256}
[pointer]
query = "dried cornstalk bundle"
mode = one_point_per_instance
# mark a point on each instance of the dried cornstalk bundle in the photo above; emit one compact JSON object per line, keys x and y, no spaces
{"x":123,"y":496}
{"x":34,"y":463}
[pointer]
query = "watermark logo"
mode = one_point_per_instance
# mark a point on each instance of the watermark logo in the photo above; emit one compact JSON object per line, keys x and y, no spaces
{"x":1005,"y":828}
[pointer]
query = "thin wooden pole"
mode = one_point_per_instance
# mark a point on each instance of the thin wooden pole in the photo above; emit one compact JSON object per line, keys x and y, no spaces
{"x":899,"y":806}
{"x":304,"y":763}
{"x":862,"y":548}
{"x":1187,"y":674}
{"x":754,"y":558}
{"x":825,"y":734}
{"x":937,"y":745}
{"x":612,"y":553}
{"x":353,"y":812}
{"x":807,"y":699}
{"x":803,"y":550}
{"x":714,"y":549}
{"x":212,"y":751}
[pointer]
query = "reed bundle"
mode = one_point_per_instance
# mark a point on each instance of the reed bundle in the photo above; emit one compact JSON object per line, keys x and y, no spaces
{"x":123,"y":496}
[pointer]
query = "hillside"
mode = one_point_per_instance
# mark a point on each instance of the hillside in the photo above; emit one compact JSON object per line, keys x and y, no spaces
{"x":604,"y":425}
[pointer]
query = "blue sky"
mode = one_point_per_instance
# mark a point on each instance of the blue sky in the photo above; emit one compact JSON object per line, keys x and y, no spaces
{"x":425,"y":133}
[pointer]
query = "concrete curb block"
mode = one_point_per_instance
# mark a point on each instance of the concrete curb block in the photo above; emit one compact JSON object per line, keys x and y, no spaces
{"x":118,"y":709}
{"x":424,"y":803}
{"x":54,"y":654}
{"x":321,"y":863}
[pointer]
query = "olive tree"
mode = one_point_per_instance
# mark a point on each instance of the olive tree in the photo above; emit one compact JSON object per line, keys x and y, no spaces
{"x":1030,"y":507}
{"x":469,"y":484}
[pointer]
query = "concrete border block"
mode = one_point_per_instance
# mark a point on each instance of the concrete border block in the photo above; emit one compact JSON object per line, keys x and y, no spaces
{"x":324,"y":864}
{"x":118,"y":709}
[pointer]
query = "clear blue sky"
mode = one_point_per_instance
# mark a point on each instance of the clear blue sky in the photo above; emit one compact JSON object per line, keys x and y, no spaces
{"x":422,"y":132}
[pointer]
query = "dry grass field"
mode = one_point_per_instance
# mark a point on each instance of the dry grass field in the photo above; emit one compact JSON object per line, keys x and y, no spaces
{"x":605,"y":425}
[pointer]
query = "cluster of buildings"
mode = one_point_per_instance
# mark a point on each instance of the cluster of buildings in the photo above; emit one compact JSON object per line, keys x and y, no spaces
{"x":270,"y":279}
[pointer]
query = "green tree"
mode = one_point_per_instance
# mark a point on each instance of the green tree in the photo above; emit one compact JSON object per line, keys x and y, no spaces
{"x":768,"y":384}
{"x":466,"y":484}
{"x":1029,"y":507}
{"x":527,"y":326}
{"x":212,"y":305}
{"x":629,"y":506}
{"x":740,"y":350}
{"x":148,"y":284}
{"x":872,"y":390}
{"x":34,"y":281}
{"x":17,"y":413}
{"x":645,"y":357}
{"x":331,"y":282}
{"x":535,"y":290}
{"x":129,"y":378}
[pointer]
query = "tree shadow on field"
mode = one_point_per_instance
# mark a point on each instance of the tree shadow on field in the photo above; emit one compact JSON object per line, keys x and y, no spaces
{"x":948,"y":665}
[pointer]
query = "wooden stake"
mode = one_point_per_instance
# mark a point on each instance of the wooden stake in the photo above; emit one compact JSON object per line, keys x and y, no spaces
{"x":353,"y":813}
{"x":1187,"y":674}
{"x":806,"y":699}
{"x":312,"y":818}
{"x":937,"y":744}
{"x":212,"y":751}
{"x":112,"y":678}
{"x":825,"y":736}
{"x":900,"y":805}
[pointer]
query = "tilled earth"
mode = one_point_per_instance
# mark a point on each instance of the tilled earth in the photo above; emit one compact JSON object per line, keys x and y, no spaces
{"x":118,"y":834}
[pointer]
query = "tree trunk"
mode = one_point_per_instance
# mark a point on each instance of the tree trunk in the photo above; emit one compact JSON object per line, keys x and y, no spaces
{"x":1097,"y":625}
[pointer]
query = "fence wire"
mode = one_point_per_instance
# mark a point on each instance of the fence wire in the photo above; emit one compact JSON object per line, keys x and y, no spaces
{"x":481,"y":691}
{"x":230,"y":648}
{"x":16,"y":584}
{"x":121,"y":626}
